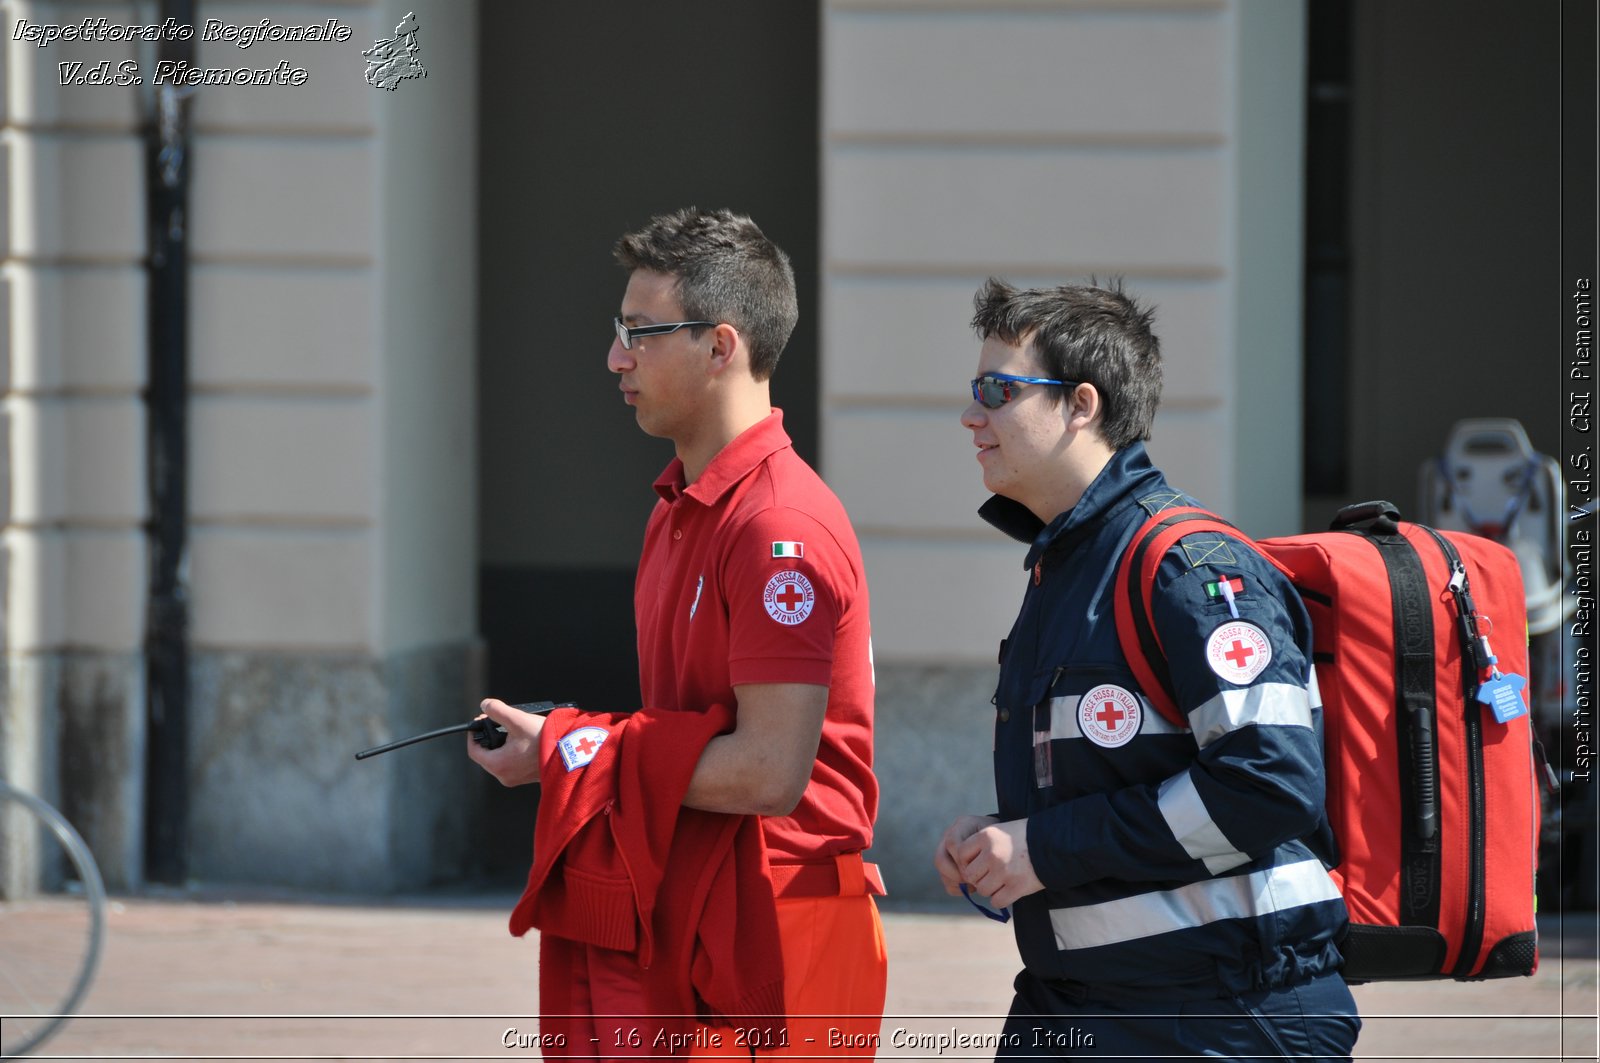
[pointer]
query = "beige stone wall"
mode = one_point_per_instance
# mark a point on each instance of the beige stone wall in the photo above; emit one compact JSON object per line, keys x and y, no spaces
{"x":1043,"y":141}
{"x":286,"y":357}
{"x":72,"y":285}
{"x":308,"y":234}
{"x":74,"y":240}
{"x":332,"y":240}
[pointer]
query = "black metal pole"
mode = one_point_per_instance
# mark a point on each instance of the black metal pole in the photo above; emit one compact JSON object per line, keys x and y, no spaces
{"x":167,"y":609}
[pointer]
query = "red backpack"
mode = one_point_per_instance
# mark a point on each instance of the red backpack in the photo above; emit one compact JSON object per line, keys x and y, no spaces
{"x":1431,"y":783}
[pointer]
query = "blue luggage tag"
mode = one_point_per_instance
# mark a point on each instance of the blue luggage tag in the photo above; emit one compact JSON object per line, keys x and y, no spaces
{"x":1503,"y":694}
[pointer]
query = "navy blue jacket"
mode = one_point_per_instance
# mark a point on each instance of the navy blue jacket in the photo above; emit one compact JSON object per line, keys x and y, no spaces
{"x":1176,"y":862}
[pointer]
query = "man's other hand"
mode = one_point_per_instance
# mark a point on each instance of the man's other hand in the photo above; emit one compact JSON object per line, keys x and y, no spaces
{"x":944,"y":857}
{"x":995,"y":861}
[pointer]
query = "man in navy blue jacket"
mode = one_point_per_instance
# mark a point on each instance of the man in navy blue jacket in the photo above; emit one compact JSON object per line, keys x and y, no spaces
{"x":1169,"y":884}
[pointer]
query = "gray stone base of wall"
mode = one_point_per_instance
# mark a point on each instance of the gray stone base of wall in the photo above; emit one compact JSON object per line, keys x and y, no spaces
{"x":935,"y":739}
{"x":72,"y":732}
{"x":277,"y":797}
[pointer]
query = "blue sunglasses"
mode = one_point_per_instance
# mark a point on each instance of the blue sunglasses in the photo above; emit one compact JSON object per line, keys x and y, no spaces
{"x":994,"y":390}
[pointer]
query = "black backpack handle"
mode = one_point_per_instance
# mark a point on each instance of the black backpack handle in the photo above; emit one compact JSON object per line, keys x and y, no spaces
{"x":1374,"y":518}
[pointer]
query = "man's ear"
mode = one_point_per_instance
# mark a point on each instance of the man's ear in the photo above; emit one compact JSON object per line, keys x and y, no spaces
{"x":1082,"y":407}
{"x":726,"y":348}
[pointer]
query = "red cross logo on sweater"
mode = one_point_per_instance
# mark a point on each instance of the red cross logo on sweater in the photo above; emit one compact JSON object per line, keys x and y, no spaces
{"x":789,"y":597}
{"x":578,"y":747}
{"x":1109,"y":716}
{"x":1238,"y":651}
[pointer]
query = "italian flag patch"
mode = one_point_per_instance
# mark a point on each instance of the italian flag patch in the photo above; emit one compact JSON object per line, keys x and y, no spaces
{"x":788,"y":549}
{"x":1235,"y":584}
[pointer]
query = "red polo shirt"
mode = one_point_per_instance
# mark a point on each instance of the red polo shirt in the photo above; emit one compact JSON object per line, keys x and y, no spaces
{"x":752,"y":574}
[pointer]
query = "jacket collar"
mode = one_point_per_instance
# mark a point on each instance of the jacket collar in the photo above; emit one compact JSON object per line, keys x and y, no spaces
{"x":732,"y":463}
{"x":1128,"y":471}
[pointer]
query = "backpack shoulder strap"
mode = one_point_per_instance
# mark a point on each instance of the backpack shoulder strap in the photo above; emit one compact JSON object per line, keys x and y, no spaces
{"x":1134,"y":587}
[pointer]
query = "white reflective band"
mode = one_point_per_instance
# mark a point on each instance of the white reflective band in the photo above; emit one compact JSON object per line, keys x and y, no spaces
{"x":1265,"y":704}
{"x":1313,"y":691}
{"x":1191,"y":824}
{"x":1276,"y":889}
{"x":1064,"y":718}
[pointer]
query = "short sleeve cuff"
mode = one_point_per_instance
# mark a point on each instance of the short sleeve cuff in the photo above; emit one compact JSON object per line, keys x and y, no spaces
{"x":817,"y":671}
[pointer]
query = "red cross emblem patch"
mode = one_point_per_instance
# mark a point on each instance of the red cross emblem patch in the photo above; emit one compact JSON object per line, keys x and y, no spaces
{"x":789,"y":597}
{"x":1109,"y":716}
{"x":1238,"y":652}
{"x":579,"y":747}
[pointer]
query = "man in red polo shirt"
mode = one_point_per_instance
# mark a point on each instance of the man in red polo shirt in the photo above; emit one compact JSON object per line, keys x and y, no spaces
{"x":750,"y":592}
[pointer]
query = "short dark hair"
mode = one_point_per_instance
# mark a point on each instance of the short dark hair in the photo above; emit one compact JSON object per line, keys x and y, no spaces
{"x":1093,"y":333}
{"x":727,"y":270}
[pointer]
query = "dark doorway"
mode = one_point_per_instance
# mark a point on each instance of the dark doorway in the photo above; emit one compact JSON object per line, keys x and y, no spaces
{"x":1432,"y":235}
{"x":593,"y":117}
{"x":1434,"y":288}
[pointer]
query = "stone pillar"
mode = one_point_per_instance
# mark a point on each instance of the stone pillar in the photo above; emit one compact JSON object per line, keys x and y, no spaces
{"x":74,"y":287}
{"x":334,"y":508}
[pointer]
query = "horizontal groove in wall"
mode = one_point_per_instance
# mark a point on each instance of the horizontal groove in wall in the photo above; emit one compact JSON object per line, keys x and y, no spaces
{"x":12,"y":131}
{"x":342,"y":263}
{"x":976,"y":275}
{"x":355,"y":653}
{"x":76,"y":264}
{"x":73,"y":392}
{"x":1024,"y":7}
{"x":1023,"y":140}
{"x":1128,"y":271}
{"x":302,"y":393}
{"x":285,"y":391}
{"x":358,"y":652}
{"x":75,"y":526}
{"x":217,"y":131}
{"x":280,"y":525}
{"x":339,"y":262}
{"x":84,"y":130}
{"x":344,"y":137}
{"x":271,"y":524}
{"x":345,"y":266}
{"x":73,"y":261}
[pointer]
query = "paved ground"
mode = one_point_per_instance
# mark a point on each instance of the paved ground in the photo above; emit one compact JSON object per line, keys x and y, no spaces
{"x":210,"y":976}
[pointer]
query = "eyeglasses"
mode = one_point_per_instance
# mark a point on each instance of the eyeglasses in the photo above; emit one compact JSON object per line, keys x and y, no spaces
{"x":627,"y":334}
{"x":1002,"y":916}
{"x":994,"y":390}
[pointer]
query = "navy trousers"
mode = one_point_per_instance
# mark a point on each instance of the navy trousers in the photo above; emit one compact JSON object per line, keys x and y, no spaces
{"x":1315,"y":1020}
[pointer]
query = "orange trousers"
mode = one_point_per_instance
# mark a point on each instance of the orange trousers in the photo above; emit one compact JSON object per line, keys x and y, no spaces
{"x":835,"y":976}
